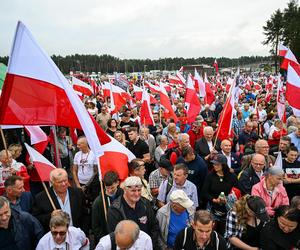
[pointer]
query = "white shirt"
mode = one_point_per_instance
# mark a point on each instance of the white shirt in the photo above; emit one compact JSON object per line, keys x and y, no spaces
{"x":85,"y":163}
{"x":65,"y":206}
{"x":75,"y":240}
{"x":143,"y":242}
{"x":210,"y":145}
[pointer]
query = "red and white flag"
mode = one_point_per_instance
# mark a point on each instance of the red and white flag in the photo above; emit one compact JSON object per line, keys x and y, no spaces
{"x":146,"y":112}
{"x":282,"y":50}
{"x":192,"y":103}
{"x":293,"y":90}
{"x":180,"y":76}
{"x":35,"y":92}
{"x":116,"y":158}
{"x":38,"y":138}
{"x":81,"y":86}
{"x":200,"y":83}
{"x":290,"y":59}
{"x":280,"y":100}
{"x":216,"y":66}
{"x":41,"y":164}
{"x":210,"y":96}
{"x":165,"y":102}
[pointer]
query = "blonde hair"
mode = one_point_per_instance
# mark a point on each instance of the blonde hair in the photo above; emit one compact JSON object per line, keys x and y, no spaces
{"x":13,"y":149}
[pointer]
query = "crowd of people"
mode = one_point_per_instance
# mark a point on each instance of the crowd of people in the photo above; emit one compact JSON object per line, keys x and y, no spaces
{"x":186,"y":188}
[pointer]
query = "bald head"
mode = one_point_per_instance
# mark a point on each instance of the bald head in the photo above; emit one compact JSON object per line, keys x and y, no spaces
{"x":258,"y":162}
{"x":82,"y":144}
{"x":226,"y":146}
{"x":126,"y":233}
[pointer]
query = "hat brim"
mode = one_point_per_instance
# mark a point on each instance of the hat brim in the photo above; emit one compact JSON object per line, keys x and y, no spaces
{"x":187,"y":204}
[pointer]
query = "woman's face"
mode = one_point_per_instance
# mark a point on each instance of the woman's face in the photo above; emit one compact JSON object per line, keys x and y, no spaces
{"x":113,"y":123}
{"x":292,"y":156}
{"x":286,"y":225}
{"x":217,"y":167}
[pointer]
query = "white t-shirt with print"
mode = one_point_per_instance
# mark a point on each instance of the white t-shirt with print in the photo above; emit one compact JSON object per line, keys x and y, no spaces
{"x":85,"y":163}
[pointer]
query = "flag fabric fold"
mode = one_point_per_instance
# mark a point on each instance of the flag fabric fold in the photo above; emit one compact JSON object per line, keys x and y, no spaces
{"x":192,"y":103}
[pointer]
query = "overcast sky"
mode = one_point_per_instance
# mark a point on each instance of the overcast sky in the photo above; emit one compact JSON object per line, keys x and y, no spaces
{"x":142,"y":28}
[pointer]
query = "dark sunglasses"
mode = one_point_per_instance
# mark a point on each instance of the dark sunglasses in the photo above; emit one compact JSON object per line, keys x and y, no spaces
{"x":55,"y":233}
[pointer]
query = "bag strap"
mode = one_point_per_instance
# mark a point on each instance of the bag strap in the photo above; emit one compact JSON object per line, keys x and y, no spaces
{"x":113,"y":241}
{"x":169,"y":186}
{"x":184,"y":237}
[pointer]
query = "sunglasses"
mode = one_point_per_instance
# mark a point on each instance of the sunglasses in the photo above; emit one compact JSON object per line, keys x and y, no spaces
{"x":62,"y":233}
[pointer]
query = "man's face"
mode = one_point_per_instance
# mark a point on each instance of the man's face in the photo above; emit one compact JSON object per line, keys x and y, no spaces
{"x":103,"y":110}
{"x":185,"y":141}
{"x":177,"y":208}
{"x":190,"y":157}
{"x":17,"y":189}
{"x":132,"y":135}
{"x":60,"y":184}
{"x":202,"y":231}
{"x":249,"y":127}
{"x":209,"y":134}
{"x":81,"y":144}
{"x":258,"y":163}
{"x":164,"y":172}
{"x":179,"y":177}
{"x":292,"y":156}
{"x":283,"y":145}
{"x":112,"y":189}
{"x":226,"y":146}
{"x":59,"y":234}
{"x":155,"y":117}
{"x":133,"y":194}
{"x":140,"y":171}
{"x":5,"y":214}
{"x":263,"y":148}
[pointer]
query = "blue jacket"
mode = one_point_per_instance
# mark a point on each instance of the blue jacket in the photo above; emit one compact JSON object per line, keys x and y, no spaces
{"x":27,"y":230}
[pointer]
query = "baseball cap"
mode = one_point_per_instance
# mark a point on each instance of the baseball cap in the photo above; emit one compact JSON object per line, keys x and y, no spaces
{"x":180,"y":197}
{"x":166,"y":164}
{"x":258,"y":207}
{"x":132,"y":181}
{"x":219,"y":159}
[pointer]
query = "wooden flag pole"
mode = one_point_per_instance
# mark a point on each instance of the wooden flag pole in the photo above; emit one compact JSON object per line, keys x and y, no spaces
{"x":48,"y":195}
{"x":58,"y":162}
{"x":102,"y":190}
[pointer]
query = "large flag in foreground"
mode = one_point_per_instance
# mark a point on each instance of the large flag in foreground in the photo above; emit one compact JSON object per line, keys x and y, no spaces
{"x":35,"y":92}
{"x":41,"y":164}
{"x":293,"y":90}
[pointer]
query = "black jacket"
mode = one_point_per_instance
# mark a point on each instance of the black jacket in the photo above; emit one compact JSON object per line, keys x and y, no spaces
{"x":202,"y":149}
{"x":247,"y":180}
{"x":99,"y":225}
{"x":216,"y":241}
{"x":116,"y":213}
{"x":42,"y":209}
{"x":26,"y":231}
{"x":273,"y":238}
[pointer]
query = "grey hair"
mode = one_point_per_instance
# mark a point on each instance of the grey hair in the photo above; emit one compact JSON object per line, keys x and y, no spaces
{"x":160,"y":138}
{"x":180,"y":137}
{"x":207,"y":128}
{"x":121,"y":229}
{"x":59,"y":219}
{"x":56,"y":173}
{"x":3,"y":201}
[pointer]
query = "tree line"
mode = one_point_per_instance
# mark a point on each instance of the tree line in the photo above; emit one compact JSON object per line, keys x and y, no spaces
{"x":283,"y":26}
{"x":110,"y":64}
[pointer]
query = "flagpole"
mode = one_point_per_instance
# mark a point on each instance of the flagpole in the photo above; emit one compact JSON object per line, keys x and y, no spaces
{"x":49,"y":197}
{"x":4,"y":143}
{"x":102,"y":190}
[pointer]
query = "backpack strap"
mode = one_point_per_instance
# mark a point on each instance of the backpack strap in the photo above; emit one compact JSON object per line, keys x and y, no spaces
{"x":184,"y":237}
{"x":169,"y":186}
{"x":113,"y":241}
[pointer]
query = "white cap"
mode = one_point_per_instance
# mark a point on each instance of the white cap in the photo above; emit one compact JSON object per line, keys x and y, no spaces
{"x":132,"y":181}
{"x":180,"y":197}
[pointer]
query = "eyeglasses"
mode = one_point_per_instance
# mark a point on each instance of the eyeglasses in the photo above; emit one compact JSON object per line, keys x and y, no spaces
{"x":62,"y":233}
{"x":258,"y":164}
{"x":135,"y":190}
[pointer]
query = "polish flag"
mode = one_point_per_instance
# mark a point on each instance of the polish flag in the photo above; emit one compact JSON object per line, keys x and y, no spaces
{"x":42,"y":166}
{"x":201,"y":85}
{"x":81,"y":86}
{"x":192,"y":103}
{"x":35,"y":92}
{"x":174,"y":80}
{"x":216,"y":66}
{"x":116,"y":158}
{"x":282,"y":50}
{"x":95,"y":86}
{"x":153,"y":87}
{"x":106,"y":89}
{"x":117,"y":98}
{"x":293,"y":90}
{"x":210,"y":97}
{"x":290,"y":59}
{"x":165,"y":102}
{"x":280,"y":101}
{"x":38,"y":138}
{"x":146,"y":112}
{"x":224,"y":130}
{"x":180,"y":76}
{"x":138,"y":92}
